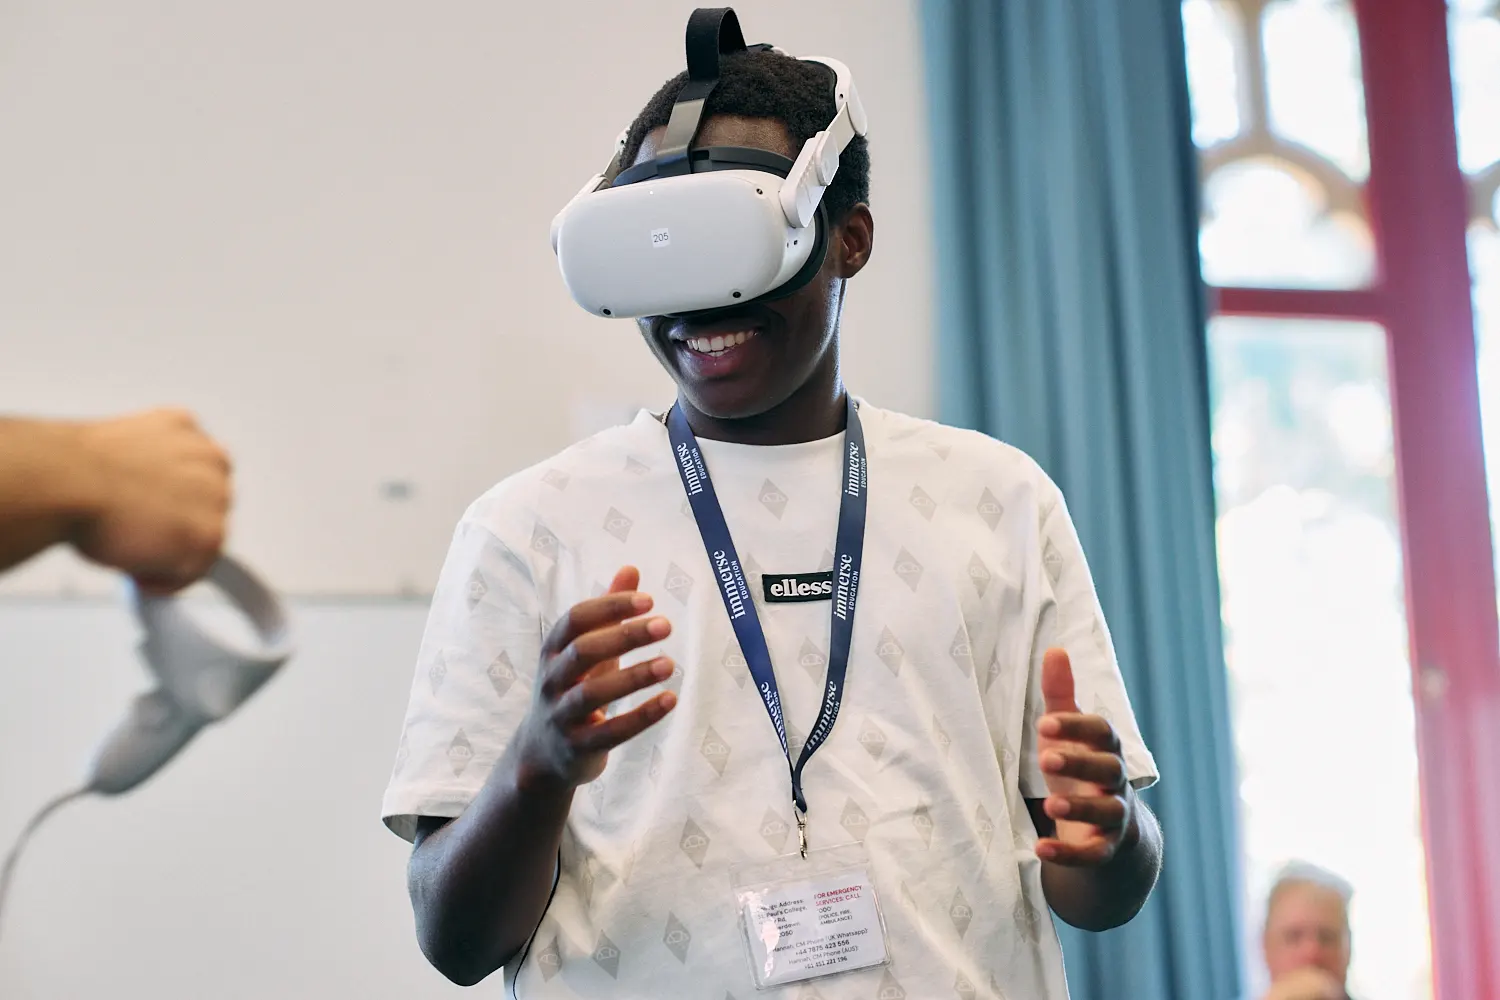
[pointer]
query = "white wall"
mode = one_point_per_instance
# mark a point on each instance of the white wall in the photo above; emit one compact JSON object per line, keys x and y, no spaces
{"x":254,"y":866}
{"x":322,"y":224}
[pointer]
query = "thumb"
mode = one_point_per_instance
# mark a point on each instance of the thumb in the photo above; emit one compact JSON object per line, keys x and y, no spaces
{"x":628,"y":578}
{"x":1057,"y":682}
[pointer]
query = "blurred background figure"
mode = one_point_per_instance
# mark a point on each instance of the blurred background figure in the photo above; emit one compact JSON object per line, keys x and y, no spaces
{"x":1306,"y":940}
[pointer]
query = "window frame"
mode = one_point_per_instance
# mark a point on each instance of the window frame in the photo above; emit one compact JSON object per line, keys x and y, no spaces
{"x":1417,"y":203}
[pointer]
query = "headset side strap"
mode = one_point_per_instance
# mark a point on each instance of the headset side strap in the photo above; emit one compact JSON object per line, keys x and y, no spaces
{"x":616,"y":162}
{"x":818,"y":160}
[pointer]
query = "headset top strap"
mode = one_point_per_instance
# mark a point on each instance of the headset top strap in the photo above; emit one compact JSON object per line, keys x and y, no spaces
{"x":711,"y":32}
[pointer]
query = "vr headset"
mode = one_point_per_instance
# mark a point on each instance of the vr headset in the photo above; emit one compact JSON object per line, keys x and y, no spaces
{"x":698,"y":229}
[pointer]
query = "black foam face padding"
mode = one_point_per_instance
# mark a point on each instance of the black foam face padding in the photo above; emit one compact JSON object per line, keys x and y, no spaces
{"x":712,"y":158}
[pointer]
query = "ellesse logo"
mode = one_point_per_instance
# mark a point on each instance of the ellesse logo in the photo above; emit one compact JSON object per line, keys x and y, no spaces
{"x":792,"y":588}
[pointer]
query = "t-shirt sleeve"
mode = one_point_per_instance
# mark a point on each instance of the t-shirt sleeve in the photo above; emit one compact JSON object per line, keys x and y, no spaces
{"x":1071,"y":618}
{"x":473,"y":679}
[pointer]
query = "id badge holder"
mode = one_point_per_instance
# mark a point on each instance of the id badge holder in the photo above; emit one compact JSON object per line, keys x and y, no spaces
{"x":809,"y":918}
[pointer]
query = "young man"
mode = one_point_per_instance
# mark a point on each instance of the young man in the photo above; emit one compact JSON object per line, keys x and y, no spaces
{"x":583,"y":829}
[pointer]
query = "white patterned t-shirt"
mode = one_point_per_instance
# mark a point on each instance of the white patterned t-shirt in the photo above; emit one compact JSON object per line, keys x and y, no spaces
{"x":972,"y":569}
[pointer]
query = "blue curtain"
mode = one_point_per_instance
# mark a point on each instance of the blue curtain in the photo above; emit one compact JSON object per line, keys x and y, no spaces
{"x":1071,"y":324}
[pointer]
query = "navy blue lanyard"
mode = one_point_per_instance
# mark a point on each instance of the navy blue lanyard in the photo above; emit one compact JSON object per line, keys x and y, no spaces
{"x":847,"y":557}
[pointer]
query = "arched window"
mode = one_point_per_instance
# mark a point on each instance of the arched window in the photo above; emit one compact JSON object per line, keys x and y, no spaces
{"x":1341,"y":152}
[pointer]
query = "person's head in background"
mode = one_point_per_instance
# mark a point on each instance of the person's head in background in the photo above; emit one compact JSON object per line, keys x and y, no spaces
{"x":785,"y":369}
{"x":1307,"y":923}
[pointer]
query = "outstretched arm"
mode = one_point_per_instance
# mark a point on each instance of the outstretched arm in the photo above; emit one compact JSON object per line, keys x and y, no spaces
{"x":147,"y":493}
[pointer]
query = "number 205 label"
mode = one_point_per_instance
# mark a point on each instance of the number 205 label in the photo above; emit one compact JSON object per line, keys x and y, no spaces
{"x":660,"y":238}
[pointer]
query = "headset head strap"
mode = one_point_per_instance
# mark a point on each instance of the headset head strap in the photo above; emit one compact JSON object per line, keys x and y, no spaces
{"x":711,"y":32}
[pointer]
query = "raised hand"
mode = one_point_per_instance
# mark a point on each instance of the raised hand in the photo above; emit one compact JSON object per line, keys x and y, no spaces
{"x":568,"y":734}
{"x":1089,"y":799}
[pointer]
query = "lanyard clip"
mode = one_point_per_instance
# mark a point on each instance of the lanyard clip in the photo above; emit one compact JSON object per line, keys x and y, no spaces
{"x":802,"y":833}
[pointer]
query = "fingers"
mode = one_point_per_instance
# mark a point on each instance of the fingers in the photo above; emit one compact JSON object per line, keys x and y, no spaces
{"x":197,"y":444}
{"x":213,"y":455}
{"x":1057,"y":681}
{"x":610,"y":734}
{"x":180,"y":560}
{"x":1107,"y":812}
{"x":588,"y":651}
{"x":569,"y":732}
{"x":1092,"y":731}
{"x":596,"y":613}
{"x":1089,"y":854}
{"x":595,"y":692}
{"x":1102,"y":769}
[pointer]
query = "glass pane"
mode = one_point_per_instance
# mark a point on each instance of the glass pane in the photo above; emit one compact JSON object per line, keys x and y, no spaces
{"x":1314,"y":87}
{"x":1265,"y":225}
{"x":1484,"y":263}
{"x":1315,"y":623}
{"x":1213,"y":78}
{"x":1474,"y":46}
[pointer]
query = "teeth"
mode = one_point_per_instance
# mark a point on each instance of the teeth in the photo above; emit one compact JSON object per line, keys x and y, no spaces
{"x":720,"y":343}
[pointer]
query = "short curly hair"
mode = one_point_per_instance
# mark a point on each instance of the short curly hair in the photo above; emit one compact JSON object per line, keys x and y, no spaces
{"x":767,"y":84}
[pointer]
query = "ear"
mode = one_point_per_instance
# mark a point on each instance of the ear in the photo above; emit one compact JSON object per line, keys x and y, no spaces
{"x":854,"y":241}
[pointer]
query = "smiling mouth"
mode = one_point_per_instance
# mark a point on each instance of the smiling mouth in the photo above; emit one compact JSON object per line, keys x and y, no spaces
{"x":718,"y":344}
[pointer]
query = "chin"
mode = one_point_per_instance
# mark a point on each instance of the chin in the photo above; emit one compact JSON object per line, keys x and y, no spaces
{"x":731,"y":402}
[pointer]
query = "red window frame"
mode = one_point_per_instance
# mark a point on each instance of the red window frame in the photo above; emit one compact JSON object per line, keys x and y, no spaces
{"x":1417,"y":201}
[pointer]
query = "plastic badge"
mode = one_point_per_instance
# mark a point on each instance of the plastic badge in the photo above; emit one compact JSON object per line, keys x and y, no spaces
{"x":810,"y":918}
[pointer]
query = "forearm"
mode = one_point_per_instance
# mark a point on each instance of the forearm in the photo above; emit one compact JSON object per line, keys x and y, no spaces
{"x":1098,"y":899}
{"x":481,"y":883}
{"x":45,"y":486}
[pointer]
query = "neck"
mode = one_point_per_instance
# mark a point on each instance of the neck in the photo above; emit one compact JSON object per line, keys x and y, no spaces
{"x":815,"y":411}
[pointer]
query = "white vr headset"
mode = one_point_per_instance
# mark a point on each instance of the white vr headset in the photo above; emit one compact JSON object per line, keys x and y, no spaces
{"x":704,"y":228}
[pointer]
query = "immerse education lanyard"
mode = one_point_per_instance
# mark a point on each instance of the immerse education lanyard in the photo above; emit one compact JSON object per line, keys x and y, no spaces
{"x":847,"y":556}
